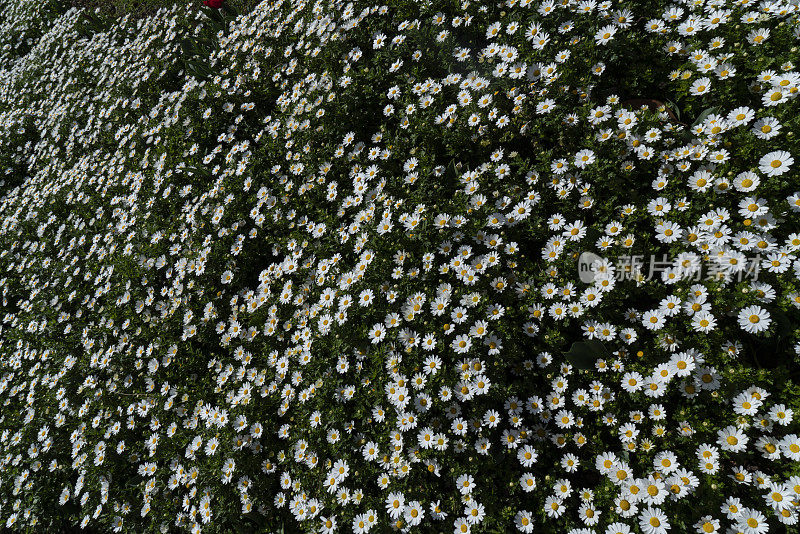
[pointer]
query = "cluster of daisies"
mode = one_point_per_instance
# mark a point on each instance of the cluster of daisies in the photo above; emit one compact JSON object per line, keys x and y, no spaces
{"x":314,"y":268}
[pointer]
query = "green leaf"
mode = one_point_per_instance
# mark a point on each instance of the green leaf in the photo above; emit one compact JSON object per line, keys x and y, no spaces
{"x":584,"y":354}
{"x":197,"y":170}
{"x":216,"y":19}
{"x":92,"y":19}
{"x":674,"y":107}
{"x":451,"y":173}
{"x":208,"y":44}
{"x":706,"y":112}
{"x":784,"y":324}
{"x":199,"y":69}
{"x":229,"y":8}
{"x":188,"y":47}
{"x":135,"y":481}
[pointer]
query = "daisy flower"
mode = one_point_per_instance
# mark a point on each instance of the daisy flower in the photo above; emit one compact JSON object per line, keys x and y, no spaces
{"x":524,"y":521}
{"x":703,"y":322}
{"x":741,"y":116}
{"x":605,"y":34}
{"x":775,"y":163}
{"x":653,"y":319}
{"x":780,"y":414}
{"x":653,"y":521}
{"x":700,"y":86}
{"x":751,"y":521}
{"x":790,"y":447}
{"x":766,"y":128}
{"x":754,"y":319}
{"x":732,"y":439}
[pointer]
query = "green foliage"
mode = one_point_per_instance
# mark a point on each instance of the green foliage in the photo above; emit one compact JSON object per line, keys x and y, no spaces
{"x":272,"y":267}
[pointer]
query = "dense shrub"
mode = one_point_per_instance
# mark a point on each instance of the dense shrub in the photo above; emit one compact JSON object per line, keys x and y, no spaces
{"x":316,"y":267}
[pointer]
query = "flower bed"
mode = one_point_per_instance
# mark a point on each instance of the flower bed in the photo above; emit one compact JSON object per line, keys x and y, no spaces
{"x":417,"y":267}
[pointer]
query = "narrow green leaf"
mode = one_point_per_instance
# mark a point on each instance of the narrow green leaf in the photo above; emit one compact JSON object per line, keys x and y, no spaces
{"x":706,"y":112}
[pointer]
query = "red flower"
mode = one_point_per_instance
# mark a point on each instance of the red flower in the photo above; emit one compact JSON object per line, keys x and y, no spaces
{"x":216,"y":4}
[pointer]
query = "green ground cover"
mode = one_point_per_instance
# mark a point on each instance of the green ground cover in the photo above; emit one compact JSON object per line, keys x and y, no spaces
{"x":323,"y":266}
